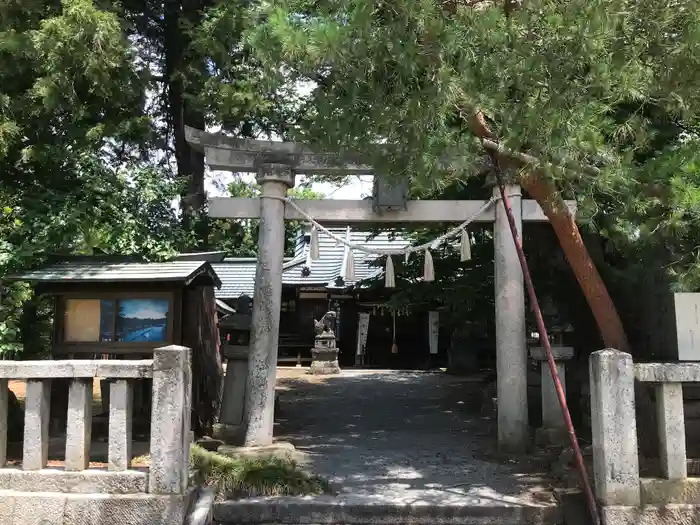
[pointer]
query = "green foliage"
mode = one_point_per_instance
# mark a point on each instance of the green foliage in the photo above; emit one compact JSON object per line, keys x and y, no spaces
{"x":462,"y":291}
{"x":241,"y":477}
{"x":91,"y":94}
{"x":68,"y":82}
{"x":71,"y":105}
{"x":235,"y":94}
{"x":399,"y":80}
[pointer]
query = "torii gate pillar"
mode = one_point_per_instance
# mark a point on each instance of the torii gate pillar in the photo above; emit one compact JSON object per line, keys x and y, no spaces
{"x":274,"y":180}
{"x":511,"y":336}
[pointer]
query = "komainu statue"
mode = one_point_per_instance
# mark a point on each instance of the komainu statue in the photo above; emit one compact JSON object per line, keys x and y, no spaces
{"x":324,"y":354}
{"x":325,"y":324}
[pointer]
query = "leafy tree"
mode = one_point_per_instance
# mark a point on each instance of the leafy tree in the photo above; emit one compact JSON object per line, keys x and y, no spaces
{"x":94,"y":100}
{"x":425,"y":89}
{"x":202,"y":74}
{"x":70,"y":102}
{"x":107,"y":212}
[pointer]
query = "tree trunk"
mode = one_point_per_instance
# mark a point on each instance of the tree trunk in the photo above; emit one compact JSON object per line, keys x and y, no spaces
{"x":604,"y":311}
{"x":182,"y":85}
{"x":31,"y":338}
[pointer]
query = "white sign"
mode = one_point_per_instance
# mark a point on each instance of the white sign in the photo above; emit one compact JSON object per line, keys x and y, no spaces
{"x":362,"y":329}
{"x":688,"y":325}
{"x":433,"y":330}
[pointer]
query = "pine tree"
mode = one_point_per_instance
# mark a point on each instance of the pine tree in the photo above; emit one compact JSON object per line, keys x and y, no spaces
{"x":416,"y":85}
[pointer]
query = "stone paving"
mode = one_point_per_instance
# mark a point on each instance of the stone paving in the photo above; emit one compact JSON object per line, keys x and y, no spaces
{"x":403,"y":438}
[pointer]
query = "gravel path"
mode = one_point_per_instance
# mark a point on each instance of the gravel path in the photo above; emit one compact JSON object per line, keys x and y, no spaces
{"x":403,"y":437}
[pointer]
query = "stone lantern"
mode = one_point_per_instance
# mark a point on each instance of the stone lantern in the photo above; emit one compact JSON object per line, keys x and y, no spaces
{"x":553,"y":430}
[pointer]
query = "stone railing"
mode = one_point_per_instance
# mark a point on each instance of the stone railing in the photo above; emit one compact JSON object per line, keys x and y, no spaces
{"x":156,"y":494}
{"x":624,"y":495}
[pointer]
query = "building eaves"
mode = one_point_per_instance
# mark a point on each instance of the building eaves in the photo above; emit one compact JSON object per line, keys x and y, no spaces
{"x":97,"y":271}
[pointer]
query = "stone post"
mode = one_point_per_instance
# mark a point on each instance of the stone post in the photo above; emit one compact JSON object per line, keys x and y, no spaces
{"x":669,"y":403}
{"x":614,"y":428}
{"x":79,"y":425}
{"x":35,"y":452}
{"x":230,"y":425}
{"x":121,"y":403}
{"x":275,"y":180}
{"x":511,"y":342}
{"x":170,"y":420}
{"x":229,"y":428}
{"x":553,"y":430}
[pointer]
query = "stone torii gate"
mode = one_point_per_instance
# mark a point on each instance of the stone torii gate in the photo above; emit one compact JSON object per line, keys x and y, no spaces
{"x":275,"y":165}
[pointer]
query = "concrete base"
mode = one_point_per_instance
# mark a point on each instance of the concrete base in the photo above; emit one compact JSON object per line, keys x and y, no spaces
{"x":547,"y":437}
{"x":660,"y":491}
{"x":91,"y":481}
{"x":280,"y":449}
{"x":673,"y":514}
{"x":45,"y":508}
{"x":235,"y":434}
{"x":325,"y":511}
{"x":201,"y":508}
{"x":324,"y":361}
{"x":323,"y":369}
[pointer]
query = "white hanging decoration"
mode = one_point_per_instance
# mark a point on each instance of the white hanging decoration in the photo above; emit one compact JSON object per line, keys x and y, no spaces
{"x":428,"y":268}
{"x":389,"y":278}
{"x":313,"y":249}
{"x":349,"y":266}
{"x":348,"y":269}
{"x":465,"y":247}
{"x":348,"y":259}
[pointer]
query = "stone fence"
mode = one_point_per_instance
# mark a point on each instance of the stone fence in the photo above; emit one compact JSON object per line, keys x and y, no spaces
{"x":626,"y":497}
{"x":75,"y":493}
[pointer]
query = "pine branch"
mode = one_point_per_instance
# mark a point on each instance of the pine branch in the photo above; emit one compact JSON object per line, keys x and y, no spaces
{"x":526,"y":159}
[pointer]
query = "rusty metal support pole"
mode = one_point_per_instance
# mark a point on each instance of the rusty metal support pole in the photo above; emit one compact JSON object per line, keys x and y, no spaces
{"x":544,"y":340}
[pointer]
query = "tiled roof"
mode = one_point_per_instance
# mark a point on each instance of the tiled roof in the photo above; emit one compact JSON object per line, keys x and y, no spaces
{"x":238,"y":274}
{"x":237,"y":277}
{"x":329,"y":265}
{"x":105,"y":271}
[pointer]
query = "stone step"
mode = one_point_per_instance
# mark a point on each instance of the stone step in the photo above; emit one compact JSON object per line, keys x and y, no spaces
{"x":327,"y":511}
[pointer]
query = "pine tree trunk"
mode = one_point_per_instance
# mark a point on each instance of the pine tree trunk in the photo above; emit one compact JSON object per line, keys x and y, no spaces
{"x":562,"y":220}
